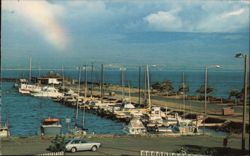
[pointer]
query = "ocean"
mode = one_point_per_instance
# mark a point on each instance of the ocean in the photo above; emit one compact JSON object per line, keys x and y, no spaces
{"x":222,"y":81}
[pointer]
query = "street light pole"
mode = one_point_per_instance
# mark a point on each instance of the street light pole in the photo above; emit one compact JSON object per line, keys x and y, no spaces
{"x":205,"y":100}
{"x":205,"y":93}
{"x":245,"y":101}
{"x":245,"y":98}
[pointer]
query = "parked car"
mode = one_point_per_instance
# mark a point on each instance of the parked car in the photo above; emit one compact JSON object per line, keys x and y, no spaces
{"x":74,"y":145}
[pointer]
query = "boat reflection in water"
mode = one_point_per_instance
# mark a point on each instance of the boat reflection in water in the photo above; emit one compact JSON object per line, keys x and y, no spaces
{"x":51,"y":127}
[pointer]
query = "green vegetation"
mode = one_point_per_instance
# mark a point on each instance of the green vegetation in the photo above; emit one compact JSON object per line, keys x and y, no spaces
{"x":58,"y":144}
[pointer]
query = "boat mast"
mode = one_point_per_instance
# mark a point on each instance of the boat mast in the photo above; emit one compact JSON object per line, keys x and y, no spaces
{"x":78,"y":90}
{"x":129,"y":92}
{"x":122,"y":81}
{"x":91,"y":77}
{"x":30,"y":70}
{"x":39,"y":70}
{"x":83,"y":117}
{"x":145,"y":87}
{"x":86,"y":83}
{"x":63,"y":77}
{"x":102,"y":80}
{"x":139,"y":85}
{"x":183,"y":94}
{"x":149,"y":98}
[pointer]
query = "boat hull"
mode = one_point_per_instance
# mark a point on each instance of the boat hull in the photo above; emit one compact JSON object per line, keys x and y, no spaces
{"x":51,"y":130}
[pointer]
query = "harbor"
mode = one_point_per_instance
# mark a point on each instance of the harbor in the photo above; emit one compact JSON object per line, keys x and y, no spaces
{"x":112,"y":107}
{"x":147,"y":78}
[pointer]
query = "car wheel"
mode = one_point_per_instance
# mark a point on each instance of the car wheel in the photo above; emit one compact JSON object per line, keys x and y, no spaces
{"x":94,"y":148}
{"x":73,"y":150}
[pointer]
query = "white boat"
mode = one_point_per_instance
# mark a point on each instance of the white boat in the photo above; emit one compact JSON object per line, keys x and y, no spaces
{"x":164,"y":129}
{"x":48,"y":92}
{"x":154,"y":117}
{"x":28,"y":88}
{"x":51,"y":126}
{"x":135,"y":127}
{"x":4,"y":131}
{"x":185,"y":126}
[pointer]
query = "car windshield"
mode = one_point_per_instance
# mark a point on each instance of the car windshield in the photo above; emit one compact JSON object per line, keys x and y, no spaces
{"x":67,"y":141}
{"x":77,"y":141}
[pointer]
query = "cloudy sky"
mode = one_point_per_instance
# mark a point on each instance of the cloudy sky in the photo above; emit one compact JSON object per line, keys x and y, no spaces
{"x":176,"y":34}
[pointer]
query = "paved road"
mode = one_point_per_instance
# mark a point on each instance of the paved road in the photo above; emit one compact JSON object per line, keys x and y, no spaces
{"x":122,"y":145}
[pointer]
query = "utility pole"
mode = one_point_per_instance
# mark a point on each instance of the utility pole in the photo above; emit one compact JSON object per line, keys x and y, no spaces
{"x":245,"y":57}
{"x":245,"y":102}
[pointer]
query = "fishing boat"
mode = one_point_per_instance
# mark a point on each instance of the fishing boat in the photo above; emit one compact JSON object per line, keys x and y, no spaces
{"x":51,"y":126}
{"x":48,"y":91}
{"x":26,"y":88}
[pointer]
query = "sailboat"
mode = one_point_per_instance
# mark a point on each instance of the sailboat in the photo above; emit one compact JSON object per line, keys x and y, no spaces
{"x":79,"y":129}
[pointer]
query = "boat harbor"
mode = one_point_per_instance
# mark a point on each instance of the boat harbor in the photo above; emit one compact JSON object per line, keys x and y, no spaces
{"x":146,"y":78}
{"x":141,"y":115}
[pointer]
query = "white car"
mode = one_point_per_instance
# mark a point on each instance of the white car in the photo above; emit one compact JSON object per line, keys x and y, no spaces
{"x":74,"y":145}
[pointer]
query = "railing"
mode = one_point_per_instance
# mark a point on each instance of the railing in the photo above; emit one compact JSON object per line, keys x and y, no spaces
{"x":157,"y":153}
{"x":51,"y":154}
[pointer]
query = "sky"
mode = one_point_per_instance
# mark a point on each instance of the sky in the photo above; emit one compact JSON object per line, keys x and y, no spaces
{"x":171,"y":34}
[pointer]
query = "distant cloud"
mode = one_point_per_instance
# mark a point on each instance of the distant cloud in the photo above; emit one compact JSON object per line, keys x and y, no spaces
{"x":206,"y":16}
{"x":230,"y":21}
{"x":165,"y":21}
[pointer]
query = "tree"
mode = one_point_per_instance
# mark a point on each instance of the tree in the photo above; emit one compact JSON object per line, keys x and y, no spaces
{"x":58,"y":144}
{"x":201,"y":90}
{"x":236,"y":94}
{"x":183,"y":87}
{"x":165,"y":86}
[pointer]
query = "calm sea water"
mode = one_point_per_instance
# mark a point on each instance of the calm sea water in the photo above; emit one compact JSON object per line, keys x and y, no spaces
{"x":222,"y":81}
{"x":25,"y":113}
